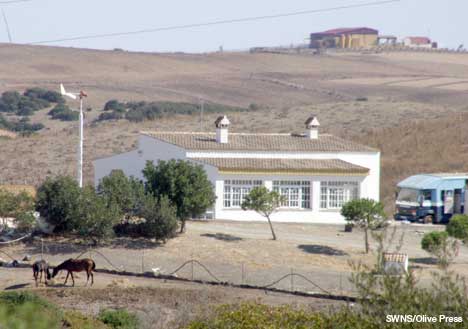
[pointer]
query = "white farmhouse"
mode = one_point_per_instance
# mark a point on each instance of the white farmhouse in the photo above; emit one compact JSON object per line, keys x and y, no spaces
{"x":316,"y":173}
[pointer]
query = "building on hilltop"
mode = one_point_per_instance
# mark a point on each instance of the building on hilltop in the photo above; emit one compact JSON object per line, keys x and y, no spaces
{"x":419,"y":42}
{"x":358,"y":37}
{"x":316,"y":173}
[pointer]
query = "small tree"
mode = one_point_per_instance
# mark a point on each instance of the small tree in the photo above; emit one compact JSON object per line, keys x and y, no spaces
{"x":458,"y":227}
{"x":58,"y":201}
{"x":264,"y":202}
{"x":184,"y":183}
{"x":160,"y":218}
{"x":95,"y":218}
{"x":18,"y":206}
{"x":367,"y":214}
{"x":127,"y":194}
{"x":440,"y":245}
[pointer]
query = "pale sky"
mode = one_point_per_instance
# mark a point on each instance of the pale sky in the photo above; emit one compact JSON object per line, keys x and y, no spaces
{"x":443,"y":21}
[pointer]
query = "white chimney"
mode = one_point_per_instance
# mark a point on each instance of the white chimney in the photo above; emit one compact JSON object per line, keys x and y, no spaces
{"x":312,"y":125}
{"x":222,"y":125}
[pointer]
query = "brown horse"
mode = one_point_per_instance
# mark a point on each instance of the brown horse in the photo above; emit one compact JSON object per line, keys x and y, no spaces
{"x":40,"y":267}
{"x":76,"y":265}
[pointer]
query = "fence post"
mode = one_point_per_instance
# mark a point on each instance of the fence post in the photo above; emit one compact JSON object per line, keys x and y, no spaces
{"x":191,"y":266}
{"x":143,"y":262}
{"x":42,"y":249}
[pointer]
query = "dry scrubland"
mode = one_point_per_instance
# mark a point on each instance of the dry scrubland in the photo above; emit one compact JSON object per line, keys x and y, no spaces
{"x":413,"y":111}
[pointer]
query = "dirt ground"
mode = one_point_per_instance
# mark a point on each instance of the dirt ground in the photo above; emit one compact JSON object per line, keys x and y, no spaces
{"x":243,"y":253}
{"x":157,"y":303}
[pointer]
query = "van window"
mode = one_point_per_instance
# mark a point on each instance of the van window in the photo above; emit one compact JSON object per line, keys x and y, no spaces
{"x":408,"y":195}
{"x":427,"y":195}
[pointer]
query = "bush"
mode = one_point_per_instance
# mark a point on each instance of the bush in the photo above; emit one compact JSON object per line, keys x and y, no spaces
{"x":160,"y":218}
{"x":140,"y":111}
{"x":433,"y":240}
{"x":458,"y":227}
{"x":119,"y":319}
{"x":58,"y":201}
{"x":76,"y":320}
{"x":440,"y":245}
{"x":94,"y":218}
{"x":114,"y":105}
{"x":124,"y":192}
{"x":64,"y":113}
{"x":25,"y":310}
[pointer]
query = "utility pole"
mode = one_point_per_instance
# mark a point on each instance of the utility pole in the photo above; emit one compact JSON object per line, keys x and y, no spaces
{"x":7,"y":26}
{"x":202,"y":108}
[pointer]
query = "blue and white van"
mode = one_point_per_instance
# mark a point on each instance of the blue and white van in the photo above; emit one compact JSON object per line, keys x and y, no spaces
{"x":431,"y":197}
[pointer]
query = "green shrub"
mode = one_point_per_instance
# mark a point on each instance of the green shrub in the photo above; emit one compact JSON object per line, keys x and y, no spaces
{"x":25,"y":310}
{"x":140,"y":111}
{"x":64,"y":113}
{"x":160,"y":218}
{"x":433,"y":241}
{"x":458,"y":227}
{"x":58,"y":201}
{"x":76,"y":320}
{"x":119,"y":319}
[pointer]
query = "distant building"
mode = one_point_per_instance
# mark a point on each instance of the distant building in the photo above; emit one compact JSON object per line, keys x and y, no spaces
{"x":419,"y":42}
{"x":359,"y":37}
{"x":316,"y":173}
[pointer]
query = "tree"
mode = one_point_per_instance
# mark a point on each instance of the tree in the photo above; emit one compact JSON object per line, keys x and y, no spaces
{"x":439,"y":244}
{"x":160,"y":218}
{"x":366,"y":214}
{"x":264,"y":202}
{"x":127,"y":193}
{"x":184,"y":183}
{"x":458,"y":227}
{"x":18,"y":206}
{"x":57,"y":202}
{"x":95,"y":218}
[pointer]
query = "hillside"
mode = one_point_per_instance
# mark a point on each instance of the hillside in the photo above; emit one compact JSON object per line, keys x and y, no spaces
{"x":367,"y":97}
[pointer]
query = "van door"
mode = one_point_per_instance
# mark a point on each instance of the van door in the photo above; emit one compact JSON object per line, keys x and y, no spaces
{"x":457,"y":201}
{"x":447,"y":198}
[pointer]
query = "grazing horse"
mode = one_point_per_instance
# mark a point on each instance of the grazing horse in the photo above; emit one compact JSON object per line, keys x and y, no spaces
{"x":41,"y":266}
{"x":76,"y":265}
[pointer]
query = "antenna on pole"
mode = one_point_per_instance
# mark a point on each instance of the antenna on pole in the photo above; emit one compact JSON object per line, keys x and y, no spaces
{"x":7,"y":26}
{"x":74,"y":96}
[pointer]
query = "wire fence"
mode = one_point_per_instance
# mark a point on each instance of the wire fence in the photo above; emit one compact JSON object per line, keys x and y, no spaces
{"x":144,"y":262}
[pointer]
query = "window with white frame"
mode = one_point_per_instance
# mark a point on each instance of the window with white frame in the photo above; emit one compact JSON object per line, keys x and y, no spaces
{"x":236,"y":190}
{"x":334,"y":194}
{"x":296,"y":194}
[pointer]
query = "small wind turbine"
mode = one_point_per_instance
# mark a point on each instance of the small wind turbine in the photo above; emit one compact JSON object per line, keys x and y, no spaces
{"x":79,"y":95}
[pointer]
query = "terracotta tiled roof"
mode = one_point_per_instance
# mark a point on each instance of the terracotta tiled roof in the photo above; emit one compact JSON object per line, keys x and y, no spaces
{"x":309,"y":165}
{"x":260,"y":142}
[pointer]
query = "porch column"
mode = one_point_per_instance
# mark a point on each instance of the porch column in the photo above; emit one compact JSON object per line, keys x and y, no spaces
{"x":315,"y":201}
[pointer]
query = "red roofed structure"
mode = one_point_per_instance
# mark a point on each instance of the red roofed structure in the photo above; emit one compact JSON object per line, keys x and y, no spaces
{"x":419,"y":42}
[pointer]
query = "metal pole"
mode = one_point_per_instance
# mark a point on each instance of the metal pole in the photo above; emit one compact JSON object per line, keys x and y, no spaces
{"x":202,"y":107}
{"x":80,"y":163}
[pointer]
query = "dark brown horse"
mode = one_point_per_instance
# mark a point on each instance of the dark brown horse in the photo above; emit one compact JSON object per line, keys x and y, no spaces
{"x":76,"y":265}
{"x":40,"y":267}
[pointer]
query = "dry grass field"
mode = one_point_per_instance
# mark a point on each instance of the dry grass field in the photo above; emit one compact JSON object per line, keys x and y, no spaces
{"x":419,"y":97}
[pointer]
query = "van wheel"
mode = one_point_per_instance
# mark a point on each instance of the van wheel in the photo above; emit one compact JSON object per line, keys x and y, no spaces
{"x":428,"y":219}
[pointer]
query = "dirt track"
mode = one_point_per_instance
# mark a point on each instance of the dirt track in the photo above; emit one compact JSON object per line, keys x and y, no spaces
{"x":158,"y":303}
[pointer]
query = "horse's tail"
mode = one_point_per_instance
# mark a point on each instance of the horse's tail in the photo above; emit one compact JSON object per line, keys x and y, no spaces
{"x":94,"y":266}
